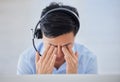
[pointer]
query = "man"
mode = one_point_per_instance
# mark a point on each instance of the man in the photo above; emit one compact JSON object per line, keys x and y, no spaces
{"x":59,"y":53}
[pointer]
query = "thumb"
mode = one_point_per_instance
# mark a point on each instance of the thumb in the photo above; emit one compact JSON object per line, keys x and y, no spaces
{"x":76,"y":54}
{"x":37,"y":57}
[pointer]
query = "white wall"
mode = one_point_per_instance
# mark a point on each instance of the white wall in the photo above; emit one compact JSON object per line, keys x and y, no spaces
{"x":100,"y":26}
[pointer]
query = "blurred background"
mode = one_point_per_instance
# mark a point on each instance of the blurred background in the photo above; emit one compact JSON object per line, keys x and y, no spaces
{"x":100,"y":30}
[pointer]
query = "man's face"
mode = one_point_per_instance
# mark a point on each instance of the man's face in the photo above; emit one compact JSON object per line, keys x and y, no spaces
{"x":59,"y":42}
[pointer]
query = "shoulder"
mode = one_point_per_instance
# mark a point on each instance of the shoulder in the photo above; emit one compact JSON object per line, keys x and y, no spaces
{"x":87,"y":60}
{"x":84,"y":52}
{"x":26,"y":62}
{"x":30,"y":52}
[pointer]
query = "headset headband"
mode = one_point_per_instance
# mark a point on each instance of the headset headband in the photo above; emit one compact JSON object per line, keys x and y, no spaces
{"x":59,"y":9}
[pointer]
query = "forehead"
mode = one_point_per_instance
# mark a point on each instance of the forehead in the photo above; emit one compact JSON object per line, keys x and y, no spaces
{"x":60,"y":40}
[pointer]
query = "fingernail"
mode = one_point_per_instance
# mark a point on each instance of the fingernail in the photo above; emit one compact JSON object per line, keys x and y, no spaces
{"x":55,"y":49}
{"x":62,"y":47}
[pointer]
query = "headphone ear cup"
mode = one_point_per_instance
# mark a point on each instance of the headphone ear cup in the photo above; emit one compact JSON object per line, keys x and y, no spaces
{"x":38,"y":34}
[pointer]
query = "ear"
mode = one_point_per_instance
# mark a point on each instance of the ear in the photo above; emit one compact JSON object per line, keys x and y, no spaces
{"x":38,"y":34}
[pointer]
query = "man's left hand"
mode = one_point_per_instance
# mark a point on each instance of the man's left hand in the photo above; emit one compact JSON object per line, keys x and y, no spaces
{"x":71,"y":60}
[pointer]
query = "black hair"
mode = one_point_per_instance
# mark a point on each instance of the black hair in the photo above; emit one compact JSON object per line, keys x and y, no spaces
{"x":58,"y":23}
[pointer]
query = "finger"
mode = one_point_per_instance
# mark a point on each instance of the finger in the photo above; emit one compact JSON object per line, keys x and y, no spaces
{"x":49,"y":53}
{"x":66,"y":52}
{"x":51,"y":58}
{"x":45,"y":52}
{"x":55,"y":51}
{"x":69,"y":62}
{"x":67,"y":59}
{"x":71,"y":66}
{"x":41,"y":67}
{"x":76,"y":56}
{"x":52,"y":62}
{"x":71,"y":51}
{"x":45,"y":58}
{"x":37,"y":57}
{"x":70,"y":58}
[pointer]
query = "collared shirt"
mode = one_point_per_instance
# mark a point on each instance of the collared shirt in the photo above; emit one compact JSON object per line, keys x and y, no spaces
{"x":87,"y":63}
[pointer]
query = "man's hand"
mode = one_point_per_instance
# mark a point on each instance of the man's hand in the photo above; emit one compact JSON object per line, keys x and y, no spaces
{"x":71,"y":60}
{"x":45,"y":63}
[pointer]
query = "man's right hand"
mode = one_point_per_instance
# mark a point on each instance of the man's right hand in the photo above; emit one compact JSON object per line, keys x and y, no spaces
{"x":45,"y":63}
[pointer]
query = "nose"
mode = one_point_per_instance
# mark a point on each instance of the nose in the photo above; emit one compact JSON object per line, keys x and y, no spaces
{"x":59,"y":51}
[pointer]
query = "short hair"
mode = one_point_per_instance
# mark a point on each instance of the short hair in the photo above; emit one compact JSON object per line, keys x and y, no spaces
{"x":58,"y":23}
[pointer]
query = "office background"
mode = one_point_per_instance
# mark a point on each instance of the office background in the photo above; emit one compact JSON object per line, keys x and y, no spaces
{"x":100,"y":30}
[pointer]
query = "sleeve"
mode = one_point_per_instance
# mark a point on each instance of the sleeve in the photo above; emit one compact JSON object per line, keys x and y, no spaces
{"x":92,"y":65}
{"x":24,"y":66}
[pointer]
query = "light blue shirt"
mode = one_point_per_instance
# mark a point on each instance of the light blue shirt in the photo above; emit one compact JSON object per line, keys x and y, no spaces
{"x":87,"y":61}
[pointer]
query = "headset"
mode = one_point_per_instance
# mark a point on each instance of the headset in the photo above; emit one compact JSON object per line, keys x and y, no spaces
{"x":37,"y":31}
